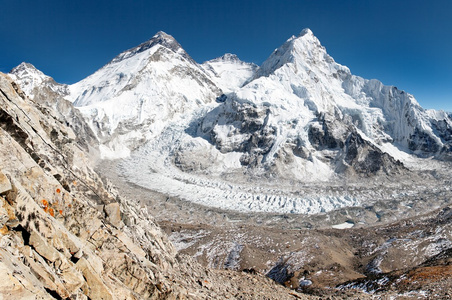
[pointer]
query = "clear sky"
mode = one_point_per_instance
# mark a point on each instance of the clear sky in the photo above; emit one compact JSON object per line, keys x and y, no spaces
{"x":403,"y":43}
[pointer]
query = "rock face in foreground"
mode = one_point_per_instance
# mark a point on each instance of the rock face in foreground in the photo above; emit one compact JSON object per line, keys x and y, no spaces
{"x":66,"y":234}
{"x":62,"y":231}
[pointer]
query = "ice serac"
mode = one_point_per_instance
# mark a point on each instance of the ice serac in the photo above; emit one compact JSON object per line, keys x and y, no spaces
{"x":130,"y":100}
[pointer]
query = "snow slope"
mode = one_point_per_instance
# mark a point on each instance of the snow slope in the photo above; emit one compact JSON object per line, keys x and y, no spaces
{"x":229,"y":72}
{"x":129,"y":100}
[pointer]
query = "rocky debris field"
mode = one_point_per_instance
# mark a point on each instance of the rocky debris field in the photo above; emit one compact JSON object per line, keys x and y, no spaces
{"x":305,"y":253}
{"x":409,"y":258}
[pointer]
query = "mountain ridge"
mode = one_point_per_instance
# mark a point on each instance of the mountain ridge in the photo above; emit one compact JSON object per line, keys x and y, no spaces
{"x":299,"y":53}
{"x":300,"y":116}
{"x":160,"y":38}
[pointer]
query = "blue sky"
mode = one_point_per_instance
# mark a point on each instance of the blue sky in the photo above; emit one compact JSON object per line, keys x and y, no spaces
{"x":403,"y":43}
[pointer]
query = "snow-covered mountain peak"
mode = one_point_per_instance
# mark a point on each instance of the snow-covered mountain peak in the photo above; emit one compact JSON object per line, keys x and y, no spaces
{"x":165,"y":40}
{"x":130,"y":67}
{"x":164,"y":36}
{"x":29,"y":78}
{"x":29,"y":74}
{"x":229,"y":72}
{"x":303,"y":43}
{"x":228,"y":57}
{"x":302,"y":68}
{"x":304,"y":108}
{"x":304,"y":50}
{"x":160,"y":38}
{"x":306,"y":32}
{"x":26,"y":69}
{"x":132,"y":98}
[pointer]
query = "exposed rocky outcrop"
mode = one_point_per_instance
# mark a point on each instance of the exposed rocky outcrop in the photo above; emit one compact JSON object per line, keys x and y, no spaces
{"x":249,"y":132}
{"x":55,"y":228}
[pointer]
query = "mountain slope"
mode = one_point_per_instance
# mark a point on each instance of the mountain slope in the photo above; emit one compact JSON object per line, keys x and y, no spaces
{"x":62,"y":230}
{"x":302,"y":104}
{"x":229,"y":72}
{"x":50,"y":96}
{"x":130,"y":100}
{"x":29,"y":78}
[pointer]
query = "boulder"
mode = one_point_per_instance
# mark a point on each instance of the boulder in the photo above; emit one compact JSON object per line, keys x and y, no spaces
{"x":41,"y":247}
{"x":113,"y":212}
{"x":95,"y":288}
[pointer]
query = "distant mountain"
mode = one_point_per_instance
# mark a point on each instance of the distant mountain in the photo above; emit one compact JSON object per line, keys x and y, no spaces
{"x":299,"y":116}
{"x":129,"y":100}
{"x":50,"y":96}
{"x":29,"y":78}
{"x":303,"y":112}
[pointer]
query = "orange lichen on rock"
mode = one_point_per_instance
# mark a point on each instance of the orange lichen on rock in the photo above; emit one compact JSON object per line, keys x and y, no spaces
{"x":45,"y":206}
{"x":4,"y":230}
{"x":51,"y":212}
{"x":58,"y":191}
{"x":60,"y":211}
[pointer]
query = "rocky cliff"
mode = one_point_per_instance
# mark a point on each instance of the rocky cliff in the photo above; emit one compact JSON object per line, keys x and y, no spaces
{"x":63,"y":232}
